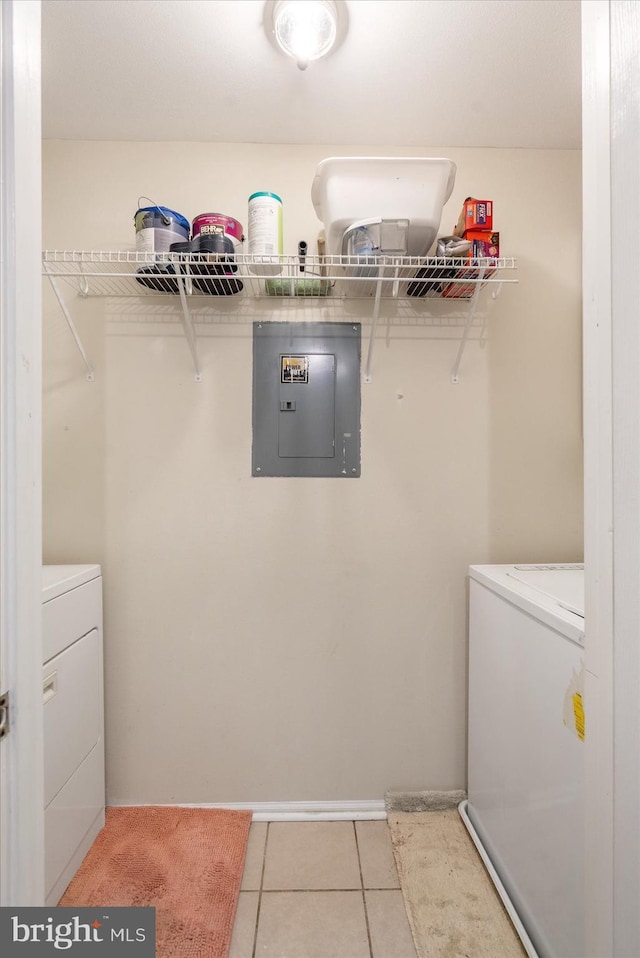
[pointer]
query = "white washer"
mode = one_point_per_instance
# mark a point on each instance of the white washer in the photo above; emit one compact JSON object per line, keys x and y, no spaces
{"x":526,"y":745}
{"x":74,"y":796}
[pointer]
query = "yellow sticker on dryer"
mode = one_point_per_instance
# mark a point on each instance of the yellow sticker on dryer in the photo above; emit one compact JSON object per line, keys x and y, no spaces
{"x":578,"y":714}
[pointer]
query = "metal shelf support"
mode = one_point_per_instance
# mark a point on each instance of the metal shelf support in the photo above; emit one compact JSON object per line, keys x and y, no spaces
{"x":374,"y":323}
{"x":327,"y":280}
{"x":368,"y":377}
{"x":473,"y":305}
{"x":188,"y":327}
{"x":74,"y":332}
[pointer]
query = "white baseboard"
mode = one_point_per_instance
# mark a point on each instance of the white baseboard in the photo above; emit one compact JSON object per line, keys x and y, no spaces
{"x":293,"y":811}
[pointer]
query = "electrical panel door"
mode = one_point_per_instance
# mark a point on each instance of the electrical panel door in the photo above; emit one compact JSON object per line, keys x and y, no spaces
{"x":307,"y":418}
{"x":306,"y":399}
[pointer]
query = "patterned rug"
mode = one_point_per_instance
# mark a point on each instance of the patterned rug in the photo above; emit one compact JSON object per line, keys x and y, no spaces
{"x":186,"y":862}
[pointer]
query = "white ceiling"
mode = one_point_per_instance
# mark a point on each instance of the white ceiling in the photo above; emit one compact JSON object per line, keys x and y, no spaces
{"x":489,"y":73}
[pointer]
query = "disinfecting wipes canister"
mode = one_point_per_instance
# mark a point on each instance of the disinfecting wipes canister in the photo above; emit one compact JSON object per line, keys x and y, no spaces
{"x":265,"y":224}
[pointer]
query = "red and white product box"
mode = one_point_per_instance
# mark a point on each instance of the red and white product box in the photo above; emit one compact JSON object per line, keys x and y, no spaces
{"x":475,"y":215}
{"x":484,"y":244}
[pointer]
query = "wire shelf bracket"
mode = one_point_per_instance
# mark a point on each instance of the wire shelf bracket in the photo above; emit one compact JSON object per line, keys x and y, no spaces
{"x":189,"y":331}
{"x":84,"y":290}
{"x":473,"y":305}
{"x":413,"y":283}
{"x":90,"y":374}
{"x":374,"y":322}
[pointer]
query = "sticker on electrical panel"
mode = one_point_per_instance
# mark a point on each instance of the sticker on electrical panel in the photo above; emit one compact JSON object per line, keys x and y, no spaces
{"x":573,"y":706}
{"x":294,"y":369}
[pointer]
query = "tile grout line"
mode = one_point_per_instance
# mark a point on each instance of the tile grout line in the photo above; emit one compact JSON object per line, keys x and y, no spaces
{"x":264,"y":862}
{"x":314,"y":891}
{"x":364,"y":900}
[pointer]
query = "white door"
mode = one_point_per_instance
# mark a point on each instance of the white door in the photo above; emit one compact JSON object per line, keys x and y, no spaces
{"x":21,"y":757}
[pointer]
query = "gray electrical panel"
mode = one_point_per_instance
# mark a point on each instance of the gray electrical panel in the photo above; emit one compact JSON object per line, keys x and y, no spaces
{"x":306,"y":399}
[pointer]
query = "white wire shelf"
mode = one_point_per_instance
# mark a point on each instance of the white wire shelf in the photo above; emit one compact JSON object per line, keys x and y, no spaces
{"x":217,"y":278}
{"x":212,"y":275}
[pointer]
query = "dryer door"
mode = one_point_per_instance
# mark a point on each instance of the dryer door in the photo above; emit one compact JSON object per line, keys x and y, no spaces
{"x":72,"y":710}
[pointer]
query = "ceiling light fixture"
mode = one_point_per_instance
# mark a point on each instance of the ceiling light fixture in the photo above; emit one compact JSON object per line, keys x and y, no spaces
{"x":307,"y":29}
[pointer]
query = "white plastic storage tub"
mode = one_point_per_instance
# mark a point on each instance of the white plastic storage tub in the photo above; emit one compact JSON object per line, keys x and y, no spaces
{"x":356,"y":189}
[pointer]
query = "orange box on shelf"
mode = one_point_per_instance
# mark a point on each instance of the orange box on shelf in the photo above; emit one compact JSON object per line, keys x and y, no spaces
{"x":484,"y":244}
{"x":475,"y":214}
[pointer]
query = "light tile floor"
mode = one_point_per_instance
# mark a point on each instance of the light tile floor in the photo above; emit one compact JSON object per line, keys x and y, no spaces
{"x":320,"y":890}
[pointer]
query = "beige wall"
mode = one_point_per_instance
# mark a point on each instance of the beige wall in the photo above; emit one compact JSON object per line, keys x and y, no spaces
{"x":283,"y":639}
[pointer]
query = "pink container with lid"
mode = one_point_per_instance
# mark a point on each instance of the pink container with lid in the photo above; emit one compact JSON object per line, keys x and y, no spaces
{"x":218,"y":223}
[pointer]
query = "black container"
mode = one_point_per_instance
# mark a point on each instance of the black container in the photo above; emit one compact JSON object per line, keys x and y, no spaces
{"x":202,"y":273}
{"x":438,"y":273}
{"x":158,"y":277}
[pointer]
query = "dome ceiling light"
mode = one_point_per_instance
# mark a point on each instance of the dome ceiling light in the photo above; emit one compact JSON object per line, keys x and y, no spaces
{"x":306,"y":29}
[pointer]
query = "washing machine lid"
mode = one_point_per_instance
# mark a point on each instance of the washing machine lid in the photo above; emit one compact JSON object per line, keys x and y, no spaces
{"x":551,"y":592}
{"x":564,"y":582}
{"x":58,"y":579}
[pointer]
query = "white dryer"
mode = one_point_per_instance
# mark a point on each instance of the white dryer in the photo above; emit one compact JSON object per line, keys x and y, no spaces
{"x":526,"y":746}
{"x":74,"y":792}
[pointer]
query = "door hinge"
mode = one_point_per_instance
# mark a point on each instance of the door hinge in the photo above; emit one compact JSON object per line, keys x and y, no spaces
{"x":4,"y":714}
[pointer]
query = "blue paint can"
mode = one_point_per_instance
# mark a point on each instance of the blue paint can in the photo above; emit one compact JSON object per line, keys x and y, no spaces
{"x":157,"y":227}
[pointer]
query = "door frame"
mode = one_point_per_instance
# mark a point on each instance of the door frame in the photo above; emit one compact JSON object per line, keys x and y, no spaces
{"x":611,"y":337}
{"x":21,"y":751}
{"x":611,"y":436}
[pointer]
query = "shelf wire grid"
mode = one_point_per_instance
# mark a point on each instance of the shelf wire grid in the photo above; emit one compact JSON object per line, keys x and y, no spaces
{"x":209,"y":275}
